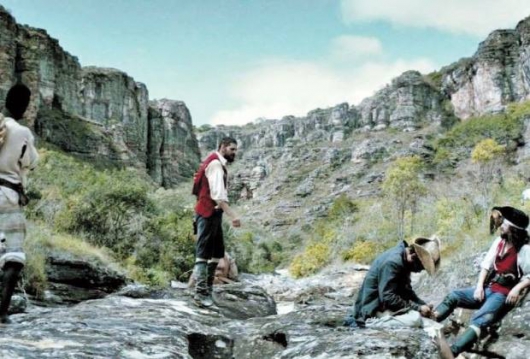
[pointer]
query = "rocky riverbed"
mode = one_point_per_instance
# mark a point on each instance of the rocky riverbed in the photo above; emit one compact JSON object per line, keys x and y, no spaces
{"x":267,"y":316}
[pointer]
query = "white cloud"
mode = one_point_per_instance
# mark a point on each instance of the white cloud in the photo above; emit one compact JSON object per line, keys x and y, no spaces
{"x":280,"y":88}
{"x":474,"y":17}
{"x":351,"y":47}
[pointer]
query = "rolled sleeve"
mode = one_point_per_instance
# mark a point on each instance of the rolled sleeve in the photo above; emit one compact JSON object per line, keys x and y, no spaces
{"x":215,"y":174}
{"x":31,"y":157}
{"x":524,"y":260}
{"x":487,"y":262}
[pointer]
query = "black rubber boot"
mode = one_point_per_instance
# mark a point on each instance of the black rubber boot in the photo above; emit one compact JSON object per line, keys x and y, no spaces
{"x":212,"y":266}
{"x":9,"y":282}
{"x":464,"y":342}
{"x":445,"y":308}
{"x":202,"y":296}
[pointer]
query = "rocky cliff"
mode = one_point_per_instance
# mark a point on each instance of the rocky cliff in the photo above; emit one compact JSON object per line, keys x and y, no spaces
{"x":345,"y":140}
{"x":498,"y":73}
{"x":107,"y":111}
{"x":409,"y":102}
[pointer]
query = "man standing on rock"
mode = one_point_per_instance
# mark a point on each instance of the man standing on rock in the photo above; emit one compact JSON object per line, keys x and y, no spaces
{"x":17,"y":156}
{"x":210,"y":187}
{"x":507,"y":265}
{"x":386,"y":298}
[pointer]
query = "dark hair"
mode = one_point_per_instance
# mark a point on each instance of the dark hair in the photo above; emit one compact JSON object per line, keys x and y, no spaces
{"x":227,"y":141}
{"x":518,"y":237}
{"x":17,"y":100}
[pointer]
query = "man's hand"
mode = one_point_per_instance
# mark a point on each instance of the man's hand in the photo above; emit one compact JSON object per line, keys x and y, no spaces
{"x":425,"y":311}
{"x":236,"y":223}
{"x":513,"y":296}
{"x":479,"y":293}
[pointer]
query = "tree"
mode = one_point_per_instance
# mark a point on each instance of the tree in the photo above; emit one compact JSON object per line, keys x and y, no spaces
{"x":403,"y":187}
{"x":487,"y":155}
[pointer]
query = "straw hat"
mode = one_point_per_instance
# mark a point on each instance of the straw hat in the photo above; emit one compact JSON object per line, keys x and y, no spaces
{"x":428,"y":251}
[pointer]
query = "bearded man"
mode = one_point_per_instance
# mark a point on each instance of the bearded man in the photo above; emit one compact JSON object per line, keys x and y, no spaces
{"x":505,"y":271}
{"x":210,"y":186}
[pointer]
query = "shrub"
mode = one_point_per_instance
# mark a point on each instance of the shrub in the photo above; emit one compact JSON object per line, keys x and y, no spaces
{"x":487,"y":154}
{"x":363,"y":251}
{"x":167,"y":244}
{"x":105,"y":212}
{"x":315,"y":256}
{"x":504,"y":129}
{"x":404,"y":189}
{"x":342,"y":207}
{"x":149,"y":231}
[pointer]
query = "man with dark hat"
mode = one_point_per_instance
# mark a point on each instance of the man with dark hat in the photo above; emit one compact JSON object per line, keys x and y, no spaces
{"x":507,"y":263}
{"x":386,"y":298}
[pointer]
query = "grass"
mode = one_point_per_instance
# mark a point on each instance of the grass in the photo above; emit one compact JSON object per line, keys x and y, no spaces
{"x":41,"y":240}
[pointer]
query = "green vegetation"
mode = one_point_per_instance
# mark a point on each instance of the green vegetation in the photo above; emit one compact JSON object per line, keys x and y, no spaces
{"x":326,"y":238}
{"x":487,"y":154}
{"x":204,"y":128}
{"x":114,"y":209}
{"x":117,"y":216}
{"x":435,"y":79}
{"x":41,"y":240}
{"x":450,"y":207}
{"x":458,"y":142}
{"x":363,"y":251}
{"x":403,"y":187}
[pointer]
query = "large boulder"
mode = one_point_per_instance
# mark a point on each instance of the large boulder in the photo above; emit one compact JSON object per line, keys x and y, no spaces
{"x":72,"y":279}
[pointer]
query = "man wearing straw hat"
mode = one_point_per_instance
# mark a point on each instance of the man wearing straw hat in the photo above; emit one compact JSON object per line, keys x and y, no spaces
{"x":386,"y":298}
{"x":505,"y":272}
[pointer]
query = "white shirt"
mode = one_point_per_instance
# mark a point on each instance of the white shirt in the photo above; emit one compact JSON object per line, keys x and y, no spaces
{"x":523,"y":258}
{"x":215,"y":174}
{"x":13,"y":165}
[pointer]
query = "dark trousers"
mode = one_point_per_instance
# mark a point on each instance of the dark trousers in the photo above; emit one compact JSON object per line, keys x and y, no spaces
{"x":210,"y":242}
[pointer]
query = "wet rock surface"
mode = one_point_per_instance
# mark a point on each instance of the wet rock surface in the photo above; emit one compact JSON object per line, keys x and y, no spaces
{"x":141,"y":322}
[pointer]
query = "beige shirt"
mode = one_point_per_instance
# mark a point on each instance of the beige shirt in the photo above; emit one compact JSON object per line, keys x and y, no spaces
{"x":14,"y":165}
{"x":215,"y":174}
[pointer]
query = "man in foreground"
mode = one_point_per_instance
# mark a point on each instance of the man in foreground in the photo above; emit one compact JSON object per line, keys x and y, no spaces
{"x":210,"y":186}
{"x":18,"y":156}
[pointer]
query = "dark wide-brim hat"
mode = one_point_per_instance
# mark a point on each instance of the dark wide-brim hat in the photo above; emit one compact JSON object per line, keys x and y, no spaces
{"x":428,"y":251}
{"x":516,"y":217}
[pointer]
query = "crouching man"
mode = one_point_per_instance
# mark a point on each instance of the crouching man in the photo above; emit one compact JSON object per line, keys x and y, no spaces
{"x":386,"y":298}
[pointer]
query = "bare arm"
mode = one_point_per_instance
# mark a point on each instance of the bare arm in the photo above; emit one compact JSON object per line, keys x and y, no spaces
{"x":230,"y":213}
{"x":479,"y":290}
{"x":513,"y":296}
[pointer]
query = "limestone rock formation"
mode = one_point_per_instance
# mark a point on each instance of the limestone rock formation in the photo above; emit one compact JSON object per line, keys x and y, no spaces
{"x":498,"y":73}
{"x":108,"y":107}
{"x":408,"y":103}
{"x":173,"y":150}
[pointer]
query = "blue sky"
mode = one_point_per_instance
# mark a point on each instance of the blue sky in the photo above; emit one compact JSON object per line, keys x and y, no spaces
{"x":233,"y":61}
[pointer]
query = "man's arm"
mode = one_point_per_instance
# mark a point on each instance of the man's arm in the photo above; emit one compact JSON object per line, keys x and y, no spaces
{"x":236,"y":222}
{"x":215,"y":174}
{"x":513,"y":296}
{"x":486,"y":266}
{"x":524,"y":263}
{"x":391,"y":286}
